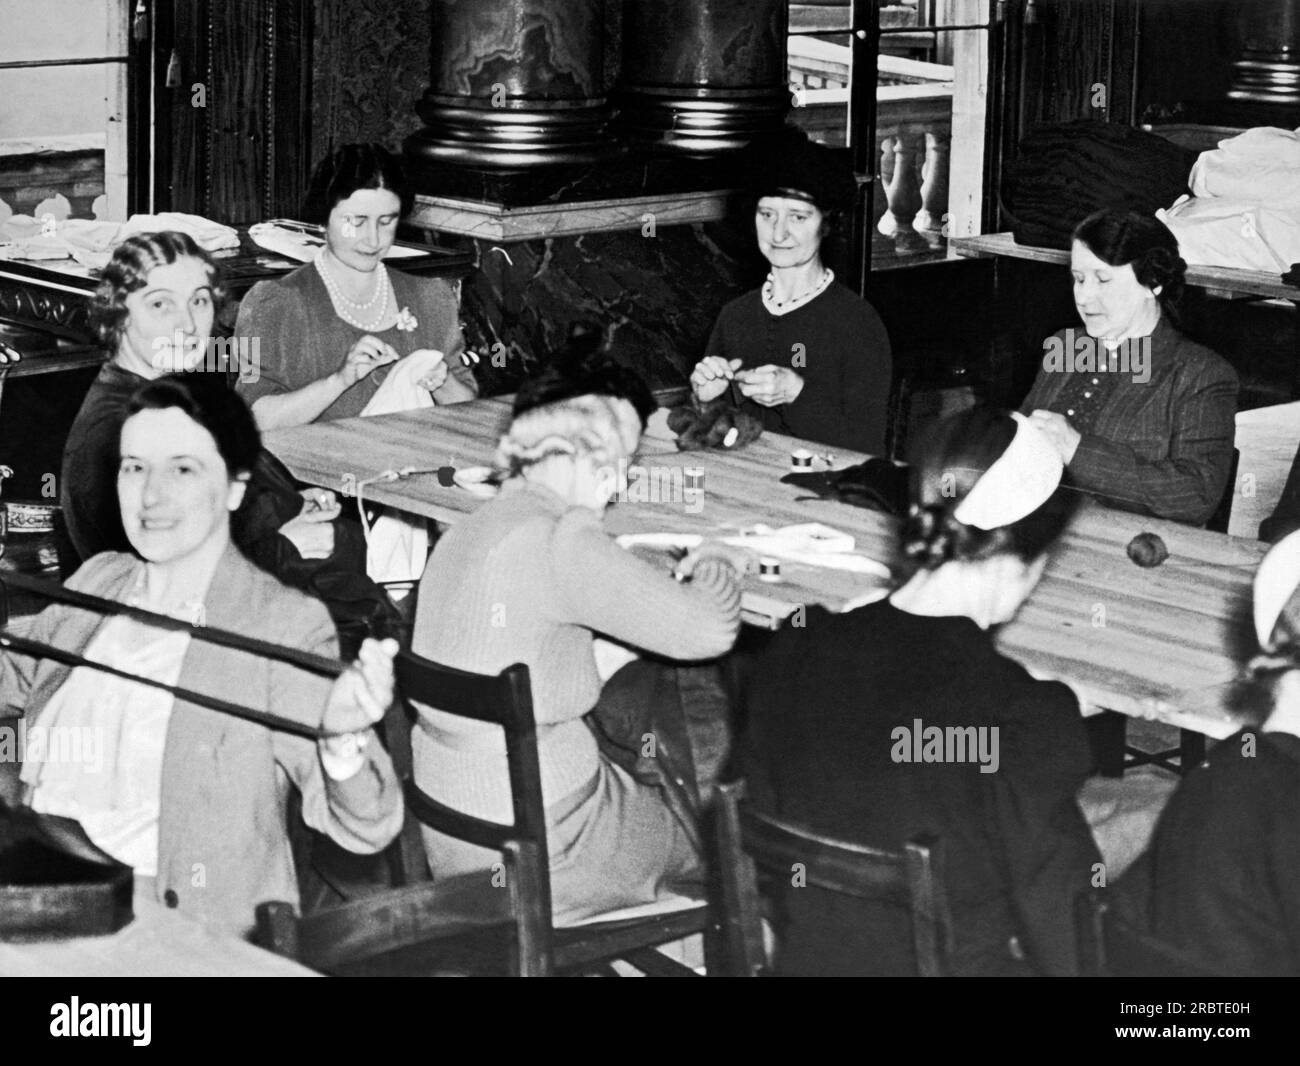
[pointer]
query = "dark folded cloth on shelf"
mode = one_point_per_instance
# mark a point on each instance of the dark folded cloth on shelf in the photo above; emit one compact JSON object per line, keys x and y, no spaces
{"x":1064,"y":172}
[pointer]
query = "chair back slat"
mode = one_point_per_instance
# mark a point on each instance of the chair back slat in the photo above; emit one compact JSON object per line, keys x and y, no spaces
{"x":746,"y":838}
{"x":428,"y":811}
{"x":850,"y":869}
{"x":481,"y":697}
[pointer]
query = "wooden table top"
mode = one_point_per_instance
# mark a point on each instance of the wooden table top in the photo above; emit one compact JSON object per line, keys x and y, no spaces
{"x":158,"y":943}
{"x":1120,"y":635}
{"x":1227,"y":282}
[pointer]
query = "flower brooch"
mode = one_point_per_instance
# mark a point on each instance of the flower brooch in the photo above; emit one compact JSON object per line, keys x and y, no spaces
{"x":406,"y":321}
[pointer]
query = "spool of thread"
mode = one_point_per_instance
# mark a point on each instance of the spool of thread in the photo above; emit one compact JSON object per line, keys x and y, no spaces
{"x":801,"y":459}
{"x":769,"y":569}
{"x":693,"y":478}
{"x":733,"y":435}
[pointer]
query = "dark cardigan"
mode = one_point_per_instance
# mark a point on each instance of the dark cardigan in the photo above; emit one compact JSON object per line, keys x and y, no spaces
{"x":837,"y":344}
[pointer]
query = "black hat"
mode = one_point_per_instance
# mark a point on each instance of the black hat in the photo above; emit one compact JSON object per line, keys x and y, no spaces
{"x":791,"y":165}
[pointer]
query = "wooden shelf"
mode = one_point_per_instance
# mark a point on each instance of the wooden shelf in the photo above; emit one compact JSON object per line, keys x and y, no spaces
{"x":1224,"y":282}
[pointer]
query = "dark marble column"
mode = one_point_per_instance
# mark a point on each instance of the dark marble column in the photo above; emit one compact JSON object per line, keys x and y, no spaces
{"x":1268,"y":69}
{"x":703,"y":75}
{"x":514,"y":83}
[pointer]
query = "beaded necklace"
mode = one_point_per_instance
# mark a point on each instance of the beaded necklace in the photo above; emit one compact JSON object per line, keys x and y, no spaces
{"x":785,"y":307}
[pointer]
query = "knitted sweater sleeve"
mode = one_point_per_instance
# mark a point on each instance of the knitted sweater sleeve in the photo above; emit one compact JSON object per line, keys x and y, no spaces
{"x":613,"y":592}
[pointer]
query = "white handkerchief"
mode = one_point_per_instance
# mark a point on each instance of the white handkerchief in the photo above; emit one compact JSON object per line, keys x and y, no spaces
{"x":399,"y":391}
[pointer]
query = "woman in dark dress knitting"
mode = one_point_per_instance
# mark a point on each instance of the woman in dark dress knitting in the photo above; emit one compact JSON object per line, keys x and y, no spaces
{"x":839,"y":710}
{"x":809,"y":355}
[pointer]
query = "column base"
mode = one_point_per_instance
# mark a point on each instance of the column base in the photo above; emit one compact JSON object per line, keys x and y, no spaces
{"x":511,"y":137}
{"x":707,"y":121}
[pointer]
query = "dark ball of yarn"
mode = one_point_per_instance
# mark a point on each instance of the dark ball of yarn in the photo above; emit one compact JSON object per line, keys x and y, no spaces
{"x":708,"y":425}
{"x":1147,"y":549}
{"x":446,"y":476}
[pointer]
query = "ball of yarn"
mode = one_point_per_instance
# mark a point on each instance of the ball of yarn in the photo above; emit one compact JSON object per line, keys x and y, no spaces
{"x":1147,"y":549}
{"x":715,"y":424}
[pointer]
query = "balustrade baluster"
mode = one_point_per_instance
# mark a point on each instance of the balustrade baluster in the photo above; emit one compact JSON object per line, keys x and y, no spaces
{"x":934,"y":189}
{"x":903,"y":194}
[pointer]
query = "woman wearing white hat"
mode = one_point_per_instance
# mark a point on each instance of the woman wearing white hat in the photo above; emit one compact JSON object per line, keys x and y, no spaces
{"x":841,"y":715}
{"x":1220,"y":879}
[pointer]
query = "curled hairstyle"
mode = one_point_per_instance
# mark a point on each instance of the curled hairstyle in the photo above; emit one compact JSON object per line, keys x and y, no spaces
{"x":946,"y":464}
{"x":349,"y":168}
{"x":128,"y":271}
{"x":210,"y":402}
{"x":581,"y":425}
{"x":1123,"y":238}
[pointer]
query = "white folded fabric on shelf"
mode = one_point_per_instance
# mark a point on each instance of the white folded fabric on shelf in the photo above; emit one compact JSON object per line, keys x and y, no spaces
{"x":1261,"y":165}
{"x":1245,"y":209}
{"x":91,"y":242}
{"x":1229,"y":232}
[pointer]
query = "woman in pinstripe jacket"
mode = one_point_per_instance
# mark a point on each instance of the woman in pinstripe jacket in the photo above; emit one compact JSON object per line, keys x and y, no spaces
{"x":1143,"y":417}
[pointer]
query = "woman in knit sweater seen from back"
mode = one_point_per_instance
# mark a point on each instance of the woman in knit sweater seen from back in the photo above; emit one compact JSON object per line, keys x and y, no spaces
{"x":531,"y":577}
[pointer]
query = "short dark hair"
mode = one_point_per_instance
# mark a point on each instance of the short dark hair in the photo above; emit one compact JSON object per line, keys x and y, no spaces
{"x":349,"y":168}
{"x":1123,"y":238}
{"x":128,"y":270}
{"x":946,"y":463}
{"x":583,"y":367}
{"x":216,"y":407}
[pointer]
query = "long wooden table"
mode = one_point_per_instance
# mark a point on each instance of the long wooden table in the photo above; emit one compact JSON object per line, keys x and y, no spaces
{"x":158,"y":943}
{"x":1154,"y":643}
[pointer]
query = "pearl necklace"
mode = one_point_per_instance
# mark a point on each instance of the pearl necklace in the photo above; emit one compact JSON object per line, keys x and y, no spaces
{"x":342,"y":304}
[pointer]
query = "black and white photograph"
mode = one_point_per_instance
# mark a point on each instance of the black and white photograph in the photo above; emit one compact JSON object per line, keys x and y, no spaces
{"x":650,"y":488}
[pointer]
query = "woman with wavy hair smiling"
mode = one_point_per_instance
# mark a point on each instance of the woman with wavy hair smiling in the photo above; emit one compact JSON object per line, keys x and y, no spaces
{"x":532,"y":577}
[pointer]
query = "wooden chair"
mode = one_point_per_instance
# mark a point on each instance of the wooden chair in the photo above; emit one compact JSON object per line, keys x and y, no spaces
{"x":468,"y":924}
{"x":747,"y":841}
{"x":1111,"y":946}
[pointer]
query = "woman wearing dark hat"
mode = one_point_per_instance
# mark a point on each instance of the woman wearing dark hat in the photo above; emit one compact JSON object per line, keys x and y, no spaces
{"x":811,"y":354}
